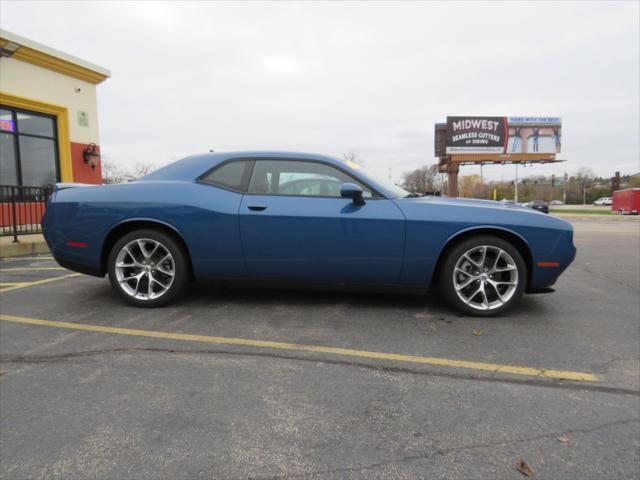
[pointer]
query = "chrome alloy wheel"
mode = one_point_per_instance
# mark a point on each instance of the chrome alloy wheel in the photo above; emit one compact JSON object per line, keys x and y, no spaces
{"x":145,"y":269}
{"x":485,"y":277}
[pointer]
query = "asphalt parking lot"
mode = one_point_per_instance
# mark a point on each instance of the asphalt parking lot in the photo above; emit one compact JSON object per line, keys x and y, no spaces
{"x":242,"y":383}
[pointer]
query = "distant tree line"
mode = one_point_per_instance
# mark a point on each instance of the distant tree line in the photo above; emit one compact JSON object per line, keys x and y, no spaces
{"x":423,"y":180}
{"x":583,"y":186}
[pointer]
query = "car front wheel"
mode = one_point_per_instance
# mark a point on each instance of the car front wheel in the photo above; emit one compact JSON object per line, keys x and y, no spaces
{"x":148,"y":268}
{"x":483,"y":276}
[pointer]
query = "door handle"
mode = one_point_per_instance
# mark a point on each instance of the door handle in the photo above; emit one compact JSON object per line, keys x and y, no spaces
{"x":257,"y":208}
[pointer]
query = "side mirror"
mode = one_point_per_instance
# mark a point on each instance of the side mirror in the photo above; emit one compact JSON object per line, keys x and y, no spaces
{"x":353,"y":191}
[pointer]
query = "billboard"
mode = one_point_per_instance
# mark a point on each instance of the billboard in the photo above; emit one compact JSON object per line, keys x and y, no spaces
{"x":501,"y":135}
{"x":534,"y":135}
{"x":476,"y":134}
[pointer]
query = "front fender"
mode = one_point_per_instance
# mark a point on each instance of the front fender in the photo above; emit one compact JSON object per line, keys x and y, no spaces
{"x":486,"y":228}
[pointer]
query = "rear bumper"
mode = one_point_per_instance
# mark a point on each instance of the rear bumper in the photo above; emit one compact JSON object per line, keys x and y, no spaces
{"x":73,"y":258}
{"x":79,"y":267}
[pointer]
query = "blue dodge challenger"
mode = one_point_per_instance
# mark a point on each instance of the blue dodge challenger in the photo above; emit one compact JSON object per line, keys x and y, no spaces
{"x":301,"y":219}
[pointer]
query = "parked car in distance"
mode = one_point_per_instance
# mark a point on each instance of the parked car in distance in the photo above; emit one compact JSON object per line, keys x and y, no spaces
{"x":603,"y":201}
{"x":556,"y":202}
{"x":299,"y":219}
{"x":539,"y":205}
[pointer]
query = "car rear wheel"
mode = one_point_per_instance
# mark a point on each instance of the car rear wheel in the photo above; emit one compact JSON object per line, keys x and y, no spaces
{"x":483,"y":276}
{"x":148,"y":268}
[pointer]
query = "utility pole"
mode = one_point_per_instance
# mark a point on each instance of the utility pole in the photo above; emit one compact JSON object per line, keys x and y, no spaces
{"x":481,"y":175}
{"x":615,"y":183}
{"x":516,"y":193}
{"x":564,"y":188}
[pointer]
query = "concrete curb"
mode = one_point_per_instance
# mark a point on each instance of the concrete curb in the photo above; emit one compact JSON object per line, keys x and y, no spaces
{"x":23,"y":247}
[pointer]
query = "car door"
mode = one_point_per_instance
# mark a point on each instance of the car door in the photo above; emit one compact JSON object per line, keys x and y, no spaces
{"x":295,"y":226}
{"x":214,"y":232}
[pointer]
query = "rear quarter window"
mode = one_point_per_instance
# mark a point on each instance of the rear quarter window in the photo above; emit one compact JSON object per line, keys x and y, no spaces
{"x":233,"y":175}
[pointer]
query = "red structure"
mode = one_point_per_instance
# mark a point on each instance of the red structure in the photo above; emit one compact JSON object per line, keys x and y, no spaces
{"x":27,"y":213}
{"x":626,"y":202}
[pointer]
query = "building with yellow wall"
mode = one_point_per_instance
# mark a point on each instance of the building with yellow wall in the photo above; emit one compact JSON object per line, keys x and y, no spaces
{"x":48,"y":115}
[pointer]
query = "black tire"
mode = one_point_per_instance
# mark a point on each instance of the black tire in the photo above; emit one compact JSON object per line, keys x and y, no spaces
{"x":448,"y":288}
{"x":178,"y":259}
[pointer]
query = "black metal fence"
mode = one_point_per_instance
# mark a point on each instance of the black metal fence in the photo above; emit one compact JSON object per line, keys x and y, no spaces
{"x":21,"y":209}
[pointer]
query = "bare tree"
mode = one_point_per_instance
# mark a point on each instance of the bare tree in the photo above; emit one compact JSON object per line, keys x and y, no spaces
{"x":422,"y":180}
{"x":142,"y":169}
{"x":111,"y":173}
{"x":472,"y":186}
{"x":352,"y":156}
{"x":584,"y":176}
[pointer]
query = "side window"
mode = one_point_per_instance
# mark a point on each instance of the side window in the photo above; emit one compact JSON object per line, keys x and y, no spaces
{"x":233,"y":175}
{"x":290,"y":177}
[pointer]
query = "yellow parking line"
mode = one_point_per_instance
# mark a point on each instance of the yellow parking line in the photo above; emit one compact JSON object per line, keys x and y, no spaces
{"x":442,"y":362}
{"x":37,"y":282}
{"x":27,"y":269}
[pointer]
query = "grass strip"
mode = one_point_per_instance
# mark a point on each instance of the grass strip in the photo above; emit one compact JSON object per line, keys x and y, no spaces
{"x":580,"y":212}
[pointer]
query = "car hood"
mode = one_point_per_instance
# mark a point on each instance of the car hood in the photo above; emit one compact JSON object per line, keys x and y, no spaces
{"x":469,"y":202}
{"x":469,"y":211}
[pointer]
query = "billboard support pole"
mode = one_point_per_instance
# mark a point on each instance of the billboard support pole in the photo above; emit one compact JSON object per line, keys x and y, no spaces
{"x":515,"y":199}
{"x":452,"y":178}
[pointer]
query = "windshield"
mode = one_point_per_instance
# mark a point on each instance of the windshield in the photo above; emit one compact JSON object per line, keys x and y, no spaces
{"x":396,"y":190}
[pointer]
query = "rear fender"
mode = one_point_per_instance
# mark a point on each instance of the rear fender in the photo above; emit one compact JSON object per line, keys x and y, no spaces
{"x":125,"y":226}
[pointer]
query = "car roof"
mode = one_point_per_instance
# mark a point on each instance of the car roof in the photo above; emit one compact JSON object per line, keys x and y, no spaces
{"x":190,"y":168}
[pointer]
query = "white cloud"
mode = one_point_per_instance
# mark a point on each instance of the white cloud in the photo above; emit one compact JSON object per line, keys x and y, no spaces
{"x":280,"y":64}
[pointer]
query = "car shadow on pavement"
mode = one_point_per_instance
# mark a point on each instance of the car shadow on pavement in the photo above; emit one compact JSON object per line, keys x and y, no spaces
{"x":317,"y":297}
{"x":205,"y":296}
{"x":432,"y":302}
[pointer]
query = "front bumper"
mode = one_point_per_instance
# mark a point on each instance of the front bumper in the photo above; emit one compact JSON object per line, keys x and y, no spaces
{"x":547,"y":268}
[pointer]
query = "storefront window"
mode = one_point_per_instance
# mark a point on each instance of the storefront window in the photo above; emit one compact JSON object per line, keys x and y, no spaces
{"x":35,"y":124}
{"x":8,"y":174}
{"x":28,"y":148}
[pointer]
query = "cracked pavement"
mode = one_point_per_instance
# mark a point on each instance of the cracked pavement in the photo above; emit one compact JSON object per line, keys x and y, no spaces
{"x":77,"y":404}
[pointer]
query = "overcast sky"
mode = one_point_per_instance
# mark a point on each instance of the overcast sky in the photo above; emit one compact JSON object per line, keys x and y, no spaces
{"x":333,"y":77}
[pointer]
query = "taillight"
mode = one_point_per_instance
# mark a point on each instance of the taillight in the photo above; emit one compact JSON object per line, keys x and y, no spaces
{"x":73,"y":243}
